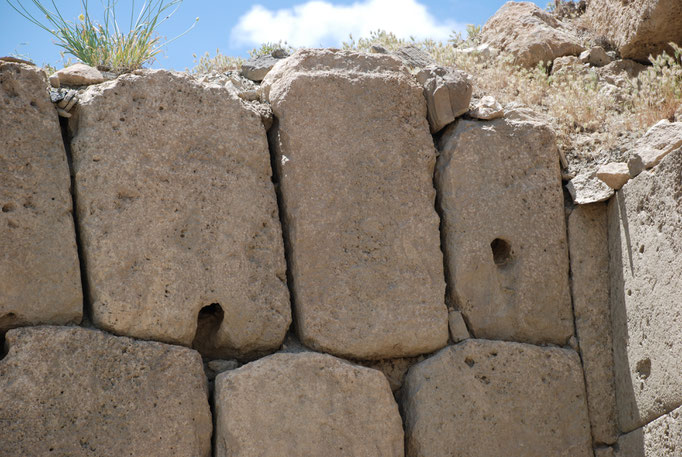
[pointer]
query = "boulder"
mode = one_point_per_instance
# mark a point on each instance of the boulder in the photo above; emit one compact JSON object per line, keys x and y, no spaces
{"x":565,"y":64}
{"x":638,"y":28}
{"x":660,"y":140}
{"x":255,"y":69}
{"x":586,"y":188}
{"x":504,"y":231}
{"x":614,"y":175}
{"x":530,"y":34}
{"x":645,"y":220}
{"x":588,"y":249}
{"x":487,"y":109}
{"x":485,"y":398}
{"x":39,"y":271}
{"x":660,"y":438}
{"x":595,"y":56}
{"x":77,"y":392}
{"x":447,"y":92}
{"x":413,"y":57}
{"x":306,"y":404}
{"x":178,"y":215}
{"x":79,"y":75}
{"x":357,"y":192}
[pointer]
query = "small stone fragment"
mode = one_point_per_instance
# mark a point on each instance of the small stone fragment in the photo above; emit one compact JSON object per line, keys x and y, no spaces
{"x":605,"y":452}
{"x":614,"y":175}
{"x":484,"y":51}
{"x":63,"y":113}
{"x":378,"y":49}
{"x":79,"y":75}
{"x":448,"y":93}
{"x":487,"y":109}
{"x":587,"y":188}
{"x":595,"y":56}
{"x":306,"y":404}
{"x":223,"y":365}
{"x":661,"y":139}
{"x":413,"y":57}
{"x":256,"y":68}
{"x":54,"y":80}
{"x":458,"y":328}
{"x":566,"y":63}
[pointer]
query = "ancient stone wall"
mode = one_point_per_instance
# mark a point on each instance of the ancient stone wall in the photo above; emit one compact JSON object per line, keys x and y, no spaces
{"x":196,"y":267}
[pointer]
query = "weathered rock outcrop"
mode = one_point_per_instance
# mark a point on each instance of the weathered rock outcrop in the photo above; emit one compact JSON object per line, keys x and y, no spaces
{"x":490,"y":398}
{"x":77,"y":392}
{"x":39,"y":271}
{"x":447,"y":92}
{"x":178,"y":213}
{"x":588,"y":246}
{"x":646,"y":279}
{"x":530,"y":34}
{"x":355,"y":161}
{"x":504,"y":230}
{"x":660,"y":438}
{"x":638,"y":28}
{"x":306,"y":404}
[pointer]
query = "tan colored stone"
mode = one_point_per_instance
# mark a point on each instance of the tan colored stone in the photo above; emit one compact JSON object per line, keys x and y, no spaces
{"x":604,"y":452}
{"x":660,"y":438}
{"x":595,"y":56}
{"x":504,"y":230}
{"x":487,"y":108}
{"x":448,"y":93}
{"x":645,"y":222}
{"x":659,"y":141}
{"x":79,"y":75}
{"x":39,"y":272}
{"x":458,"y":328}
{"x":588,"y":248}
{"x":637,"y":28}
{"x":413,"y":57}
{"x":530,"y":34}
{"x":177,"y":212}
{"x":394,"y":369}
{"x":305,"y":404}
{"x":485,"y":398}
{"x":77,"y":392}
{"x":621,"y":72}
{"x":614,"y":175}
{"x":355,"y":161}
{"x":565,"y":64}
{"x":586,"y":188}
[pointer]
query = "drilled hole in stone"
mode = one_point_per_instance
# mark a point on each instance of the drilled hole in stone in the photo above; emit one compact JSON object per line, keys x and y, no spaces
{"x":644,"y":368}
{"x":208,"y":322}
{"x":502,"y":252}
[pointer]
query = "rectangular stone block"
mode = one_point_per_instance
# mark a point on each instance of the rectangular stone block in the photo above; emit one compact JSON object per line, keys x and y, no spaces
{"x":355,"y":161}
{"x":660,"y":438}
{"x":645,"y":245}
{"x":178,"y":215}
{"x":499,"y":190}
{"x":588,"y":247}
{"x":39,"y":272}
{"x":70,"y":391}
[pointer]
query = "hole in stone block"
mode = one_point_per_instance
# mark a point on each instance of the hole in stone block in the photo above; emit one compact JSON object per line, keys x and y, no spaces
{"x":502,"y":252}
{"x":644,"y":368}
{"x":7,"y":208}
{"x":208,"y":322}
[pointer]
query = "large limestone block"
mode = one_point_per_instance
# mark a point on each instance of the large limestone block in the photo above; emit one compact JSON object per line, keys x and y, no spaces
{"x":355,"y":162}
{"x":505,"y":236}
{"x":638,"y":28}
{"x":177,"y":213}
{"x":588,"y":247}
{"x":306,"y":404}
{"x":39,"y":272}
{"x":77,"y":392}
{"x":645,"y":245}
{"x":530,"y":34}
{"x":490,"y":398}
{"x":660,"y":438}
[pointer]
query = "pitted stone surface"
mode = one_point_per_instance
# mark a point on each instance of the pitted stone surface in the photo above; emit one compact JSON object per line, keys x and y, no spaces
{"x":355,"y":160}
{"x":660,"y":438}
{"x":177,"y":212}
{"x":645,"y":222}
{"x":77,"y":392}
{"x":485,"y":398}
{"x":588,"y":247}
{"x":306,"y":404}
{"x":39,"y":272}
{"x":505,"y":236}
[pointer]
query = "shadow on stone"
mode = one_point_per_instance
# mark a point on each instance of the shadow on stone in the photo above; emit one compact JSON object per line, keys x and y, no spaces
{"x":208,"y":322}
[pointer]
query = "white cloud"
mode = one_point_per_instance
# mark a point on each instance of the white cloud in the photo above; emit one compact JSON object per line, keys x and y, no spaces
{"x":321,"y":23}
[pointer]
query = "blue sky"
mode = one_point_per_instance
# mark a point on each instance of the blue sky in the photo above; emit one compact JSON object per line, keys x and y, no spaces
{"x":234,"y":27}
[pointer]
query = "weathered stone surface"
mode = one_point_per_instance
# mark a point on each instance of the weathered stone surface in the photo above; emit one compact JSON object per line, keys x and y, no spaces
{"x":358,"y":197}
{"x":490,"y":398}
{"x":77,"y":392}
{"x":586,"y":188}
{"x":530,"y":34}
{"x":458,"y":328}
{"x":79,"y":75}
{"x":394,"y":369}
{"x":614,"y":175}
{"x":256,"y":68}
{"x":588,"y":248}
{"x":604,"y":452}
{"x":484,"y":51}
{"x":303,"y":405}
{"x":447,"y":92}
{"x":39,"y":271}
{"x":659,"y":141}
{"x":645,"y":222}
{"x":595,"y":56}
{"x":413,"y":57}
{"x":660,"y":438}
{"x":177,"y":212}
{"x":565,"y":64}
{"x":505,"y":235}
{"x":621,"y":72}
{"x":637,"y":28}
{"x":487,"y":108}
